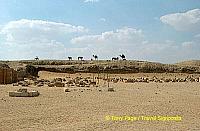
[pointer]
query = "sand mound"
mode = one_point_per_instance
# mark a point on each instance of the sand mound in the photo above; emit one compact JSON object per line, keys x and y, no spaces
{"x":194,"y":63}
{"x":108,"y":66}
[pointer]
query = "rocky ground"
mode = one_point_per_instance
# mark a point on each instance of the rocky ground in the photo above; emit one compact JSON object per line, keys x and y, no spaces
{"x":85,"y":106}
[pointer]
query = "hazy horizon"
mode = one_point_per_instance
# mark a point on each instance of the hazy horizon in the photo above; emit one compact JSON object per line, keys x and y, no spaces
{"x":95,"y":60}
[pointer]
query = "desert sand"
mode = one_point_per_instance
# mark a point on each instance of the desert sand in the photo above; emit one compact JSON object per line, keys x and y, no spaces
{"x":89,"y":108}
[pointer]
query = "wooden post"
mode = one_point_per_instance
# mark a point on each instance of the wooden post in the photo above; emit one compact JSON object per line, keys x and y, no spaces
{"x":104,"y":76}
{"x":98,"y":71}
{"x":93,"y":78}
{"x":17,"y":77}
{"x":98,"y":78}
{"x":108,"y":80}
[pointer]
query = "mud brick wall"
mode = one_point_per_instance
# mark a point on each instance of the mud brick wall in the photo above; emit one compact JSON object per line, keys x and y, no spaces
{"x":7,"y":76}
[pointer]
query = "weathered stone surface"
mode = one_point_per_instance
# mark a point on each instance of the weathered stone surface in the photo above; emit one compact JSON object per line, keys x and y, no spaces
{"x":111,"y":89}
{"x":59,"y":84}
{"x":22,"y":92}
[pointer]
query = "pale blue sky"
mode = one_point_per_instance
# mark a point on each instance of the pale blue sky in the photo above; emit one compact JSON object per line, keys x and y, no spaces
{"x":103,"y":16}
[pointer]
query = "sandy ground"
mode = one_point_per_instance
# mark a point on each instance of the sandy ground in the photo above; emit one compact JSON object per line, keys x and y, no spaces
{"x":86,"y":110}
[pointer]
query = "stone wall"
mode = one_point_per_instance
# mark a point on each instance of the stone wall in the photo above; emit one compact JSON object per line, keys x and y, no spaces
{"x":8,"y":76}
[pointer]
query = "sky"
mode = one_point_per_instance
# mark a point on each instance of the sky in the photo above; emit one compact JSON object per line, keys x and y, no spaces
{"x":153,"y":30}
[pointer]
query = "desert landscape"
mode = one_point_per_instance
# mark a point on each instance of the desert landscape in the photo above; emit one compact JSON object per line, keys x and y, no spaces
{"x":102,"y":99}
{"x":99,"y":65}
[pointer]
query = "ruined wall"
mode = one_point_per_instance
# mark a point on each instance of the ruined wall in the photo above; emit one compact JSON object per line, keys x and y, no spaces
{"x":8,"y":76}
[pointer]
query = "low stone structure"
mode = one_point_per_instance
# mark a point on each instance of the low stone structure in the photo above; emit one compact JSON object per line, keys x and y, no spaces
{"x":22,"y":92}
{"x":7,"y":74}
{"x":111,"y":89}
{"x":59,"y":84}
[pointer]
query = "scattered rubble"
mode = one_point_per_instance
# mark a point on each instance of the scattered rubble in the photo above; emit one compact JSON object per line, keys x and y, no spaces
{"x":111,"y":89}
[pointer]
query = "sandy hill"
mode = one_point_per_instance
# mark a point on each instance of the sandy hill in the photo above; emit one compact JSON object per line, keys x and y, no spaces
{"x":193,"y":63}
{"x":109,"y":66}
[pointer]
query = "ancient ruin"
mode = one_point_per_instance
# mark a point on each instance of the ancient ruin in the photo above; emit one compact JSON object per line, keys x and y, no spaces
{"x":22,"y":92}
